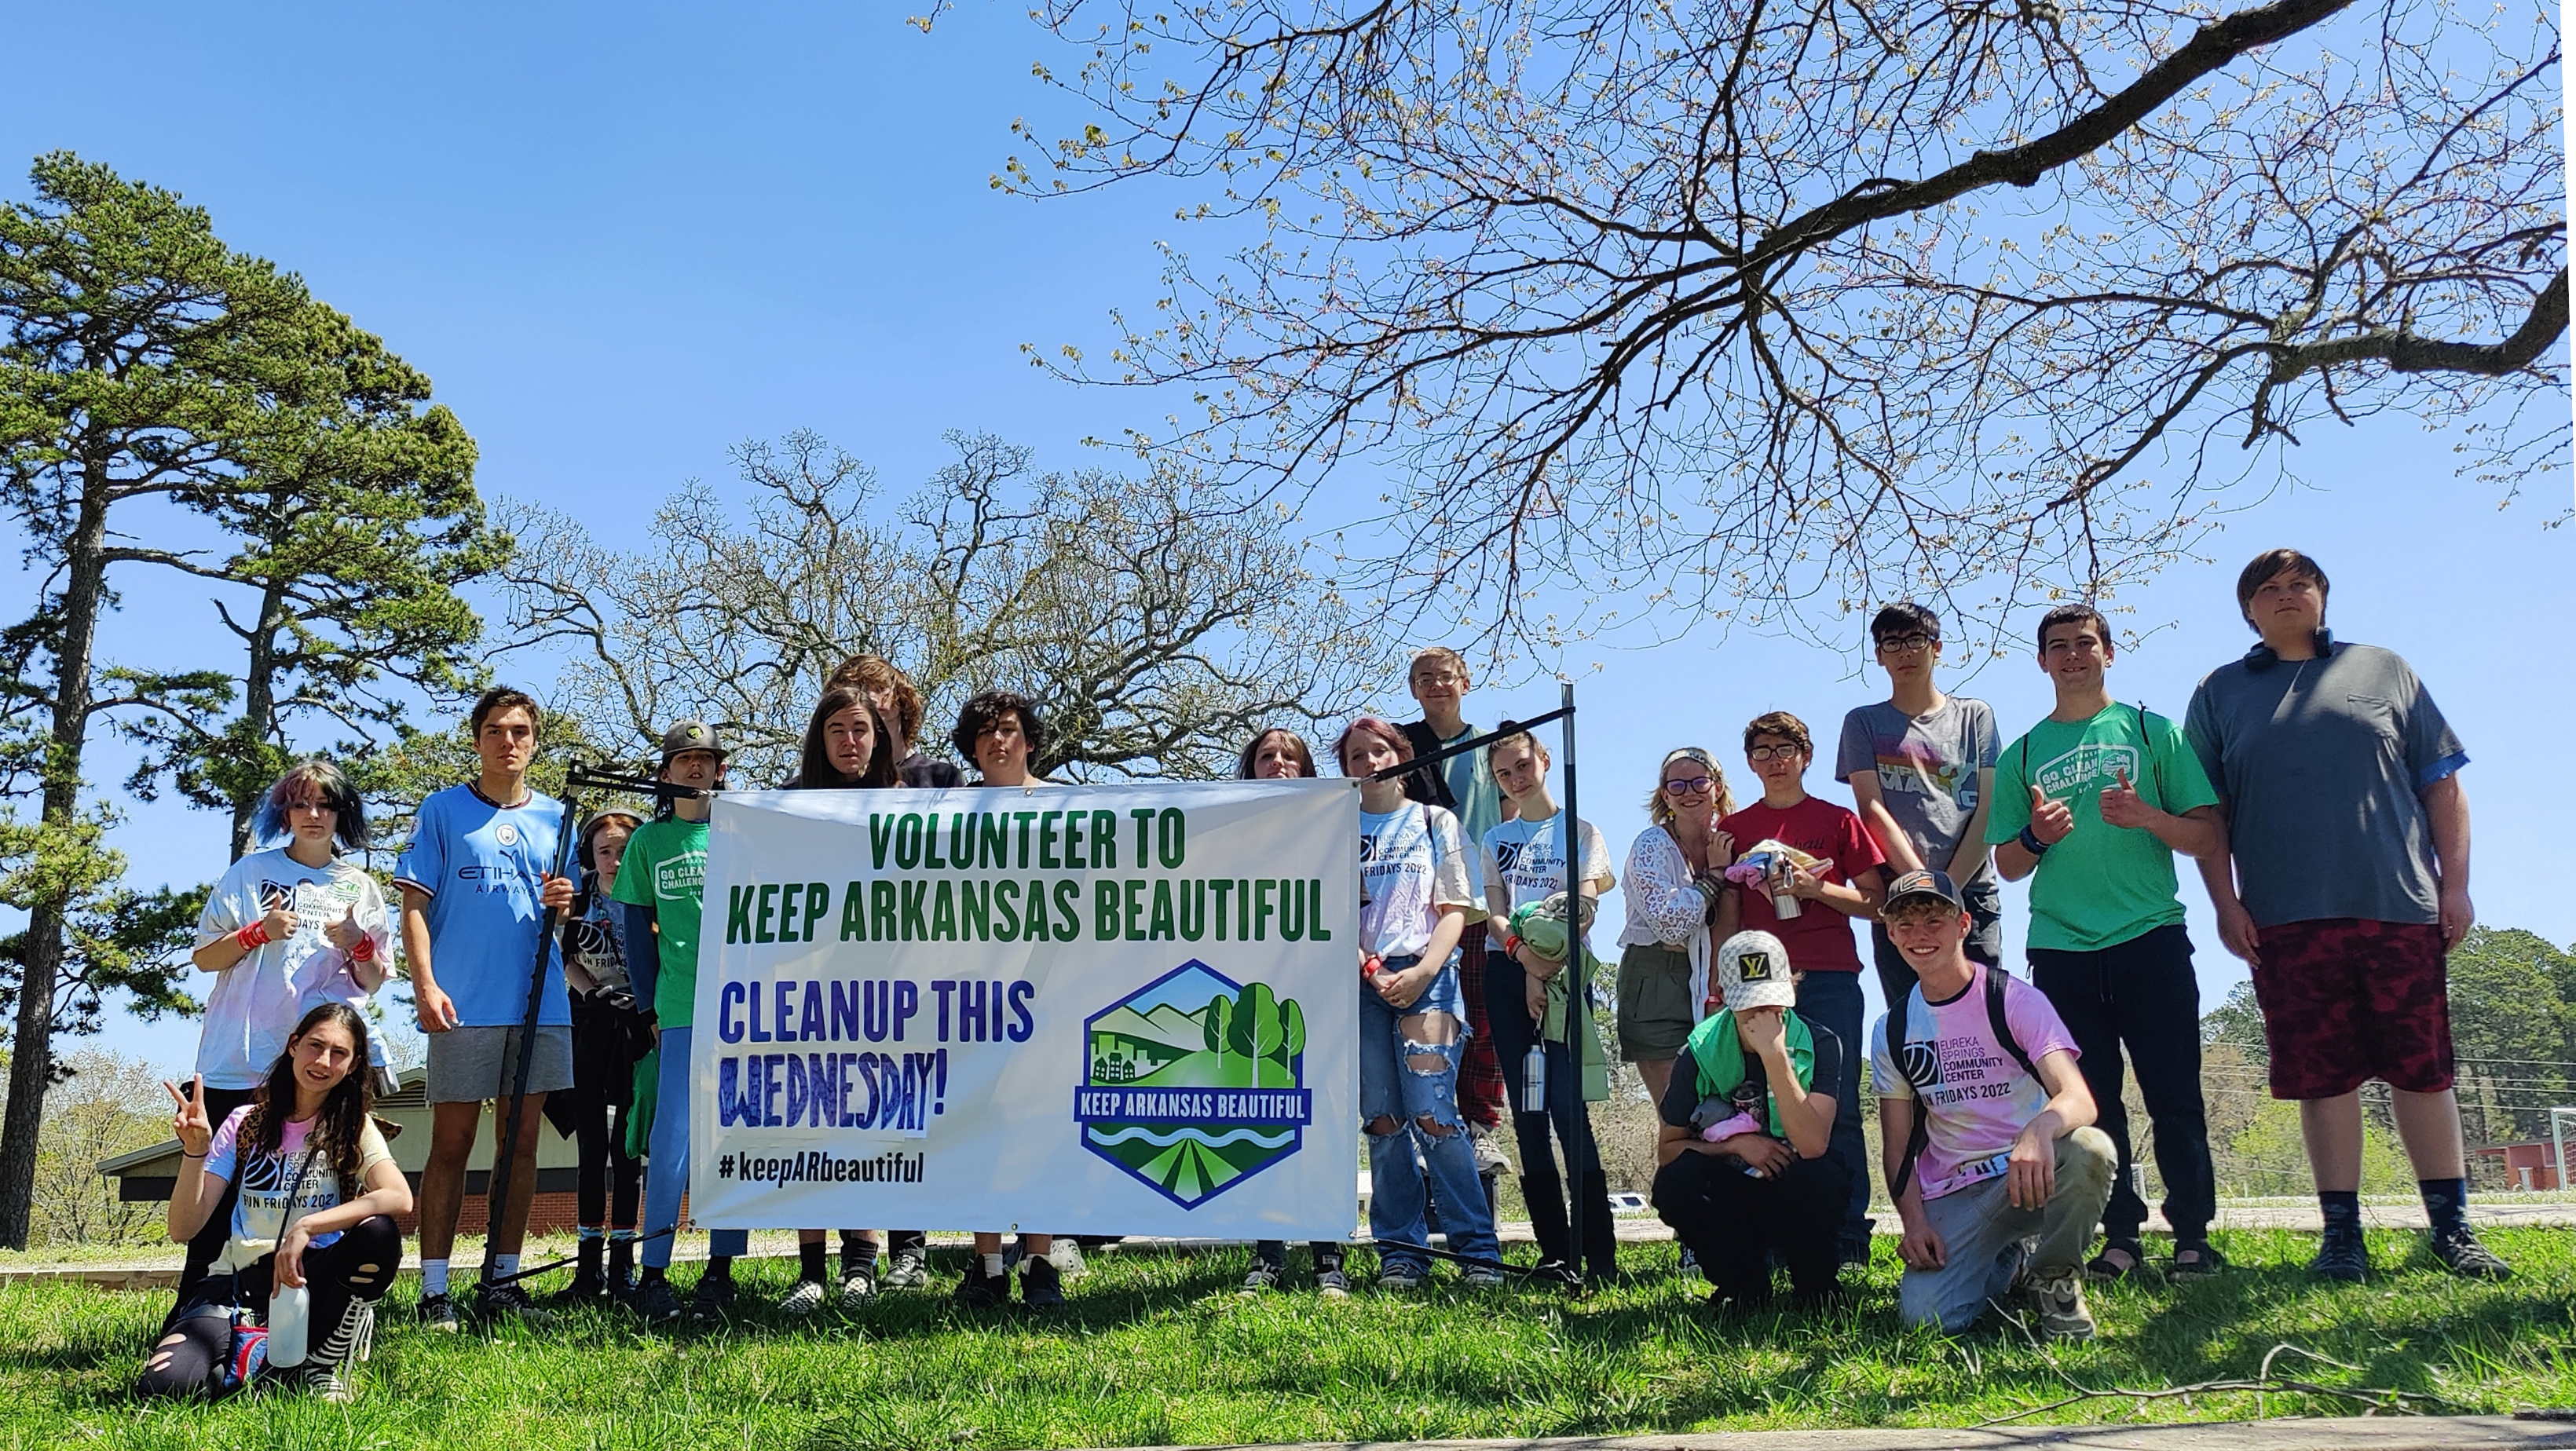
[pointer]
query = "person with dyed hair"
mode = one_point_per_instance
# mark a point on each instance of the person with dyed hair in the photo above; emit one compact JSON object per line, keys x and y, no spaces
{"x":1416,"y":896}
{"x":292,"y":925}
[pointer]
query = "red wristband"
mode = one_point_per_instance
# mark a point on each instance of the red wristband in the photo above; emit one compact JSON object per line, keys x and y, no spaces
{"x":252,"y":938}
{"x":365,"y":951}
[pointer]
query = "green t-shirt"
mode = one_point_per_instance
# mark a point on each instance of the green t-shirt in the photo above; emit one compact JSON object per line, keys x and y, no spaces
{"x":2103,"y":884}
{"x":665,"y":868}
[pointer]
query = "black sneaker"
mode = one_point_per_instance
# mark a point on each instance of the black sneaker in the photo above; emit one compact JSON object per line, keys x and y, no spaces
{"x":1041,"y":1284}
{"x":2341,"y":1255}
{"x":2461,"y":1254}
{"x":1264,"y":1278}
{"x":589,"y":1284}
{"x":980,"y":1291}
{"x":1556,"y":1272}
{"x":657,"y":1301}
{"x":495,"y":1302}
{"x":712,"y":1299}
{"x":907,"y":1269}
{"x":437,"y":1312}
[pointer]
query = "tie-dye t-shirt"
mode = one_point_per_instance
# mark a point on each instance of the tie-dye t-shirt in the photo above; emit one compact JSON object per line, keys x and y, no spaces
{"x":1945,"y":1057}
{"x":265,"y":1181}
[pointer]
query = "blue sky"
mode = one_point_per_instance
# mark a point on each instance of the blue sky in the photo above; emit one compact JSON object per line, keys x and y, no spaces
{"x":621,"y":240}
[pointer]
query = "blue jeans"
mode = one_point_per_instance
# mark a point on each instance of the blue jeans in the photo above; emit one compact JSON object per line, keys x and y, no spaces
{"x":666,"y":1170}
{"x":1832,"y":1000}
{"x":1396,"y":1085}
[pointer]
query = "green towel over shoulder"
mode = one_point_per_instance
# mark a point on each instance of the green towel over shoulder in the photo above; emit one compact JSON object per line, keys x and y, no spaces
{"x":1718,"y":1055}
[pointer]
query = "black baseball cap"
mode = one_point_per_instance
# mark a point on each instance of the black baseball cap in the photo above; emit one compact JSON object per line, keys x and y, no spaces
{"x":1924,"y":882}
{"x":691,"y":735}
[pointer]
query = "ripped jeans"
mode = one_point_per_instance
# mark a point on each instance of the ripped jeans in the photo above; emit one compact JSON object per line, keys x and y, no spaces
{"x":1408,"y":1098}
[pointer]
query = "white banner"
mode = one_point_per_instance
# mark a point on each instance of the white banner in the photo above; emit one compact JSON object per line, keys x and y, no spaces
{"x":1070,"y":1009}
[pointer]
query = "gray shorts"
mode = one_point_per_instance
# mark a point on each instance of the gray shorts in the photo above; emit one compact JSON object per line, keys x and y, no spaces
{"x":469,"y":1065}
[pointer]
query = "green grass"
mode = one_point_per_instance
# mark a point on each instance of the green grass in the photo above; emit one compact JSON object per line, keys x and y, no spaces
{"x":1157,"y":1349}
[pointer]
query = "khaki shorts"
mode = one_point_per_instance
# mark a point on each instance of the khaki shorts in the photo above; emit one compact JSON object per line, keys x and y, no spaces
{"x":1655,"y":1017}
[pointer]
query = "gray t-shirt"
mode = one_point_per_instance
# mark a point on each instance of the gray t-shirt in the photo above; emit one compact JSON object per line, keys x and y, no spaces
{"x":2320,"y":763}
{"x":1927,"y":769}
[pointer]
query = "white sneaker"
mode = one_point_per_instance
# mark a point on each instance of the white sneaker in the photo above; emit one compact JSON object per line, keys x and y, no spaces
{"x":1489,"y":1154}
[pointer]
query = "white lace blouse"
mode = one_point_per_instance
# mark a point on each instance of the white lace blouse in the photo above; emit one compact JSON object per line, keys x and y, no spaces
{"x":1665,"y":908}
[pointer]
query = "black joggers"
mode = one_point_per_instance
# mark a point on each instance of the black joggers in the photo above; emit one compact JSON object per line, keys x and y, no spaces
{"x":2142,"y":996}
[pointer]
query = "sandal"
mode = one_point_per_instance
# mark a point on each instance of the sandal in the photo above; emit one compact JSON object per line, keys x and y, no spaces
{"x":2120,"y":1259}
{"x":2197,"y":1259}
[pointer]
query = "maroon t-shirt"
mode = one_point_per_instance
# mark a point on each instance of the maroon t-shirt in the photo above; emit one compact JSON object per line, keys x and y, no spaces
{"x":1819,"y":938}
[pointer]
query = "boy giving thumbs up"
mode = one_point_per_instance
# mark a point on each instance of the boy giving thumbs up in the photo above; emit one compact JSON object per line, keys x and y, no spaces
{"x":2091,"y":805}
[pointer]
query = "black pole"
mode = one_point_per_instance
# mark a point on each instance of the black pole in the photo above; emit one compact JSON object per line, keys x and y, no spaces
{"x":498,"y":1200}
{"x":1574,"y":1120}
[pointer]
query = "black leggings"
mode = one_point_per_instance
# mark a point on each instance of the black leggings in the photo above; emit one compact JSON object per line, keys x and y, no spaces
{"x":350,"y":1273}
{"x":1507,"y":1010}
{"x":610,"y":1183}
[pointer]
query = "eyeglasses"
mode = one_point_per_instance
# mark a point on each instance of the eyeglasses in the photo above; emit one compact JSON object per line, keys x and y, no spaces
{"x":1445,"y":677}
{"x":1908,"y":644}
{"x":1689,"y":785}
{"x":1772,"y":753}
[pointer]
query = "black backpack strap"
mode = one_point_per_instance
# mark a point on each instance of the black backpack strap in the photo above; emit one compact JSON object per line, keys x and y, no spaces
{"x":1426,"y":784}
{"x":2002,"y":1026}
{"x":1921,"y":1133}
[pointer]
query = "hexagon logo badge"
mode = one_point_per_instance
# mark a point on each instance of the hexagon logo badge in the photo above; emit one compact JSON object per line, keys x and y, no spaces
{"x":1196,"y":1083}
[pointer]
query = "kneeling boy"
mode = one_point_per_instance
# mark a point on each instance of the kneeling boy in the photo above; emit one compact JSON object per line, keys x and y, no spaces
{"x":1988,"y":1129}
{"x":1747,"y":1168}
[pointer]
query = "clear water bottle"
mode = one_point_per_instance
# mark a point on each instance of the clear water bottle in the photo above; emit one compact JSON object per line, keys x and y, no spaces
{"x":290,"y":1324}
{"x":1534,"y":1080}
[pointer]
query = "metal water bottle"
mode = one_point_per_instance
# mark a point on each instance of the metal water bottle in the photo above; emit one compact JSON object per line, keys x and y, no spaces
{"x":1534,"y":1080}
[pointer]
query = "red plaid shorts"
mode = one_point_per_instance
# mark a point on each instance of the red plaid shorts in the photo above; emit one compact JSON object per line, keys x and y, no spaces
{"x":2347,"y":999}
{"x":1480,"y":1073}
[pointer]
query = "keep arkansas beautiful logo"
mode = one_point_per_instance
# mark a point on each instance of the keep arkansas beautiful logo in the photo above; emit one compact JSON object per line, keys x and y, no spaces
{"x":1196,"y":1083}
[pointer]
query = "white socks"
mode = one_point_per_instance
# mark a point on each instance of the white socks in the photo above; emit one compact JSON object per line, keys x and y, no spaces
{"x":433,"y":1278}
{"x":992,"y":1265}
{"x":504,"y":1266}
